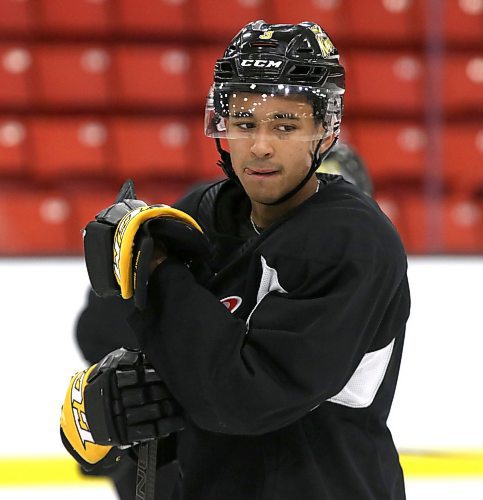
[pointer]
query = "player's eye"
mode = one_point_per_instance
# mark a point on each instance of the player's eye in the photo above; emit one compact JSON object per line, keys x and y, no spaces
{"x":286,"y":128}
{"x":245,"y":125}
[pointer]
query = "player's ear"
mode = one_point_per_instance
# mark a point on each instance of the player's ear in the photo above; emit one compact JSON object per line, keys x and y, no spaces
{"x":327,"y":142}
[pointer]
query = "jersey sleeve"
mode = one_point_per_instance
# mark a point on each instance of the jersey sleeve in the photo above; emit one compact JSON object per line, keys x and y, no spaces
{"x":298,"y":349}
{"x":102,"y":326}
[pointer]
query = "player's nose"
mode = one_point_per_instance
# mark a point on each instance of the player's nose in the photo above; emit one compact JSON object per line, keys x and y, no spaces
{"x":262,"y":145}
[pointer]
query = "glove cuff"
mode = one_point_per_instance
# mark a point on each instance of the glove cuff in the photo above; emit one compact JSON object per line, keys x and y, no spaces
{"x":109,"y":460}
{"x":124,"y":240}
{"x":74,"y":425}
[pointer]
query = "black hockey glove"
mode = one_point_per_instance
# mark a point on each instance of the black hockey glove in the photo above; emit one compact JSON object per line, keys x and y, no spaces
{"x":119,"y":401}
{"x":126,"y":402}
{"x":99,"y":238}
{"x":119,"y":244}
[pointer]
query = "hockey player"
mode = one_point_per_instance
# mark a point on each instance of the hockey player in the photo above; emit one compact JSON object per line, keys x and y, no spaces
{"x":285,"y":360}
{"x":102,"y":327}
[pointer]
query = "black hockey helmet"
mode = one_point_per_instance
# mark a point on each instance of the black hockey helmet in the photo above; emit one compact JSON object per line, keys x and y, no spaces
{"x":278,"y":60}
{"x":344,"y":160}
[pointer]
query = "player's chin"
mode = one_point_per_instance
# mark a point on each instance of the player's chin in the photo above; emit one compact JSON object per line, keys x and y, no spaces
{"x":261,"y":196}
{"x":262,"y":188}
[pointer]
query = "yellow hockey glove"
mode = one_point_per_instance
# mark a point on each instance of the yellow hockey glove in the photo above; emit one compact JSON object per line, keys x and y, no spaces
{"x":118,"y":402}
{"x":164,"y":228}
{"x":75,"y":432}
{"x":119,"y":244}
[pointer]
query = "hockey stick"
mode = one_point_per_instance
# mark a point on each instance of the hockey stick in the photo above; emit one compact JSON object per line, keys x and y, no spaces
{"x":127,"y":191}
{"x":146,"y":472}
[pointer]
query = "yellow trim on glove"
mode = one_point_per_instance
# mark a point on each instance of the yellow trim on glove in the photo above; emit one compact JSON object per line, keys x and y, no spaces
{"x":124,"y":240}
{"x":74,"y":424}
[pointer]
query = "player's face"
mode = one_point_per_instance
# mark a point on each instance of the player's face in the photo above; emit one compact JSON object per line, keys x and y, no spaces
{"x":270,"y":142}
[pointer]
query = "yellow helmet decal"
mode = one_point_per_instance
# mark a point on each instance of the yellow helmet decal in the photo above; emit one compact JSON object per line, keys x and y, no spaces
{"x":325,"y":43}
{"x":266,"y":35}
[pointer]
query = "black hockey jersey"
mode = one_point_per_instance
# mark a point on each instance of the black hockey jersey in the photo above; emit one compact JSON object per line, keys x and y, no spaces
{"x":286,"y":361}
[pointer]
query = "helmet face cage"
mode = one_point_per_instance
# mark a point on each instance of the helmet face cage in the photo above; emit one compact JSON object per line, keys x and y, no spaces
{"x":273,"y":61}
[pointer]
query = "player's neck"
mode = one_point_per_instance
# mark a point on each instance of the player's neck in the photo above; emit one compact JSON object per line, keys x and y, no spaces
{"x":263,"y":215}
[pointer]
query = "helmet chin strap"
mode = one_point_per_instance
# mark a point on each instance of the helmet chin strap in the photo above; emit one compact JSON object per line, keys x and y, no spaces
{"x":225,"y":161}
{"x":317,"y":159}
